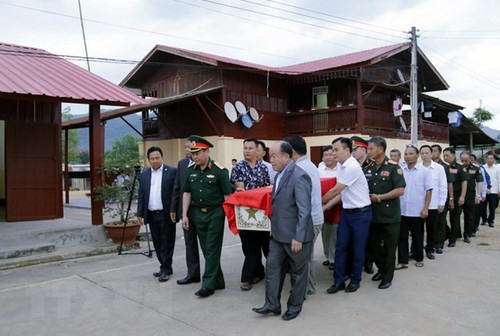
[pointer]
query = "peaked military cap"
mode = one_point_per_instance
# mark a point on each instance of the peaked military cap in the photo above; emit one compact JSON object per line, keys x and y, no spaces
{"x":359,"y":142}
{"x":198,"y":143}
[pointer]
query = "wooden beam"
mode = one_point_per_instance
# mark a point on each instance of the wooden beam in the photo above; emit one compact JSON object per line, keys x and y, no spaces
{"x":360,"y":124}
{"x":96,"y":139}
{"x":66,"y":166}
{"x":208,"y":116}
{"x":368,"y":93}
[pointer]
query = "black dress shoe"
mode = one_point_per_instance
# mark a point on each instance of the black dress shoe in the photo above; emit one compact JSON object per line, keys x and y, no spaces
{"x":451,"y":244}
{"x":352,"y":288}
{"x":163,"y":277}
{"x":377,"y":276}
{"x":369,"y":269}
{"x":431,"y":255}
{"x":156,"y":274}
{"x":439,"y":250}
{"x":288,"y":315}
{"x":384,"y":285}
{"x":267,"y":311}
{"x":204,"y":292}
{"x":326,"y":263}
{"x":491,"y":225}
{"x":331,"y":266}
{"x":188,"y":280}
{"x":335,"y":288}
{"x":467,"y":240}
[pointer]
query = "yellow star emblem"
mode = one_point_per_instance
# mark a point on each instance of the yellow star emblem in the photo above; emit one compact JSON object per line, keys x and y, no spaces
{"x":251,"y":213}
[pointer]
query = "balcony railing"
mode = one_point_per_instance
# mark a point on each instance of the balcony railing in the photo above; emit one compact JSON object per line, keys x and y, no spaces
{"x":335,"y":119}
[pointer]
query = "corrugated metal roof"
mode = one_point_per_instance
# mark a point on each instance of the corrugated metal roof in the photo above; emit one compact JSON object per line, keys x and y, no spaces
{"x":306,"y":67}
{"x":372,"y":55}
{"x":36,"y":72}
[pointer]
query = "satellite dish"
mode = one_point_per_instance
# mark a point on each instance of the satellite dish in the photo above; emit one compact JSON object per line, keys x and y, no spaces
{"x":254,"y":114}
{"x":401,"y":120}
{"x":240,"y":107}
{"x":247,"y":121}
{"x":400,"y":76}
{"x":230,"y":112}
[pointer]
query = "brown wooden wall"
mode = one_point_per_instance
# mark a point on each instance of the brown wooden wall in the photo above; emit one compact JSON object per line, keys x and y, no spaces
{"x":33,"y":177}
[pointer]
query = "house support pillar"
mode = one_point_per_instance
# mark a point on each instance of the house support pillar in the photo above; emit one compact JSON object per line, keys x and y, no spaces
{"x":96,"y":137}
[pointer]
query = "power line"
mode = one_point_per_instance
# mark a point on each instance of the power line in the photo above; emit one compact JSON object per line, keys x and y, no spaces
{"x":146,"y":31}
{"x":295,"y":21}
{"x":316,"y":18}
{"x":334,"y":16}
{"x":465,"y":70}
{"x":265,"y":24}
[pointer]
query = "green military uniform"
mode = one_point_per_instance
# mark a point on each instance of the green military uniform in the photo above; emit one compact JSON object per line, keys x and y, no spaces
{"x":207,"y":188}
{"x":475,"y":175}
{"x":442,"y":226}
{"x":459,"y":174}
{"x":384,"y":230}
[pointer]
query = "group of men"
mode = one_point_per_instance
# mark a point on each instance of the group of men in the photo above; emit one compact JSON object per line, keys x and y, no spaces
{"x":382,"y":201}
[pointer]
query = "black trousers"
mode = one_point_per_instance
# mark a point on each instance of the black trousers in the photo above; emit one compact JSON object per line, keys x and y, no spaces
{"x":491,"y":205}
{"x":442,"y":228}
{"x":382,"y":243}
{"x":431,"y":228}
{"x":415,"y":225}
{"x":192,"y":250}
{"x":477,"y":214}
{"x":163,"y":236}
{"x":469,"y":209}
{"x":254,"y":244}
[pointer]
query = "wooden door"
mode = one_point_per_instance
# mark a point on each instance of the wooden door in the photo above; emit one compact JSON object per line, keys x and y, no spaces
{"x":33,"y":183}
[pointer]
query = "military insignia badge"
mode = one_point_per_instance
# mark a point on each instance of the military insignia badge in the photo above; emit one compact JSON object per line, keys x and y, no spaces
{"x":399,"y":171}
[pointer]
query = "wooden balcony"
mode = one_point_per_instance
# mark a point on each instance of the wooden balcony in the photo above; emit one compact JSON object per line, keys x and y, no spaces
{"x":150,"y":128}
{"x":323,"y":121}
{"x":343,"y":120}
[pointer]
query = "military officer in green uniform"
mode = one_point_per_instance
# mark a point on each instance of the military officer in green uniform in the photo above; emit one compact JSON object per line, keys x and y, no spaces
{"x":472,"y":195}
{"x":207,"y":186}
{"x":460,"y":177}
{"x":386,"y":183}
{"x":442,"y":227}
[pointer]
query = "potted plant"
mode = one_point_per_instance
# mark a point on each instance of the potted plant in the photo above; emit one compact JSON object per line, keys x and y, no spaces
{"x":119,"y":192}
{"x":338,"y":103}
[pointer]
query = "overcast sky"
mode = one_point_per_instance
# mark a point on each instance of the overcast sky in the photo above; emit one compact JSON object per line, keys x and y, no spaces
{"x":460,"y":37}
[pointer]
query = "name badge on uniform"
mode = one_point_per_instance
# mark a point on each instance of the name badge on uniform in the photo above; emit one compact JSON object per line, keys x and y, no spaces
{"x":385,"y":173}
{"x":211,"y":176}
{"x":368,"y":175}
{"x":193,"y":175}
{"x":453,"y":171}
{"x":472,"y":172}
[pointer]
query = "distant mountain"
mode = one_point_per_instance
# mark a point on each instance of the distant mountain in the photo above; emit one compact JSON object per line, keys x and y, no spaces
{"x":114,"y":129}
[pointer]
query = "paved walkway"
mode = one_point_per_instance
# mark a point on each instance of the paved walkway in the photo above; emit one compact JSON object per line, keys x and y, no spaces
{"x":456,"y":294}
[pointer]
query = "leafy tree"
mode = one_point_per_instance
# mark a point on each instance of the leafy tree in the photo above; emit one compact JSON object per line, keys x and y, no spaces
{"x":84,"y":157}
{"x":119,"y":167}
{"x":73,"y":139}
{"x":481,"y":115}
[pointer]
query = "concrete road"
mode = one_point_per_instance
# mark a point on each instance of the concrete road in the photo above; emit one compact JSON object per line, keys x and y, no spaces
{"x":456,"y":294}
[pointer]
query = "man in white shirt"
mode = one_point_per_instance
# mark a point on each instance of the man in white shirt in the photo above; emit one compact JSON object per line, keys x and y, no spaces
{"x":355,"y":219}
{"x":438,"y":199}
{"x":329,"y":231}
{"x":299,"y":147}
{"x":414,"y":207}
{"x":493,"y":193}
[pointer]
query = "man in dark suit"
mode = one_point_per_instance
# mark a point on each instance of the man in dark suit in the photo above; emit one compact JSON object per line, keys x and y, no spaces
{"x":291,"y":234}
{"x":153,"y":207}
{"x":190,"y":237}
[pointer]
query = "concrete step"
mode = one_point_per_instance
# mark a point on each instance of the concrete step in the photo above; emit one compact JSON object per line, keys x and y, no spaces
{"x":16,"y":248}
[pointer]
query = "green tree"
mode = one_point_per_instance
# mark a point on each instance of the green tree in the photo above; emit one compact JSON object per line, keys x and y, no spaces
{"x":119,"y":167}
{"x":73,"y":139}
{"x":481,"y":115}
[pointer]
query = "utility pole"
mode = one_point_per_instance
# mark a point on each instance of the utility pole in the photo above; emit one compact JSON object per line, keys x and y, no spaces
{"x":414,"y":88}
